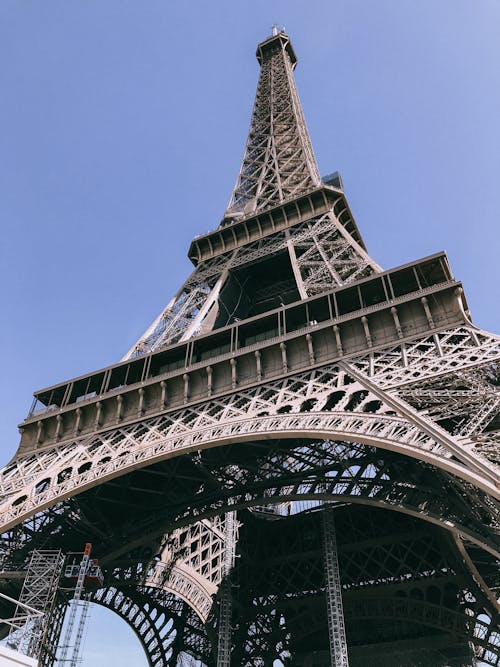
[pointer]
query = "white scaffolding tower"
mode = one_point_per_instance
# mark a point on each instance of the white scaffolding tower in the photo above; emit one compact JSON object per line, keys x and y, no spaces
{"x":30,"y":621}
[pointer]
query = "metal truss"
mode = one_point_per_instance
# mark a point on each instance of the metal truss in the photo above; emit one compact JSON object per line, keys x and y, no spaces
{"x":321,"y":252}
{"x":452,"y":378}
{"x":225,"y":606}
{"x":278,"y":165}
{"x":480,"y":628}
{"x":410,"y":426}
{"x":38,"y":593}
{"x":273,"y":472}
{"x":335,"y":611}
{"x":53,"y":628}
{"x":155,"y":630}
{"x":466,"y":403}
{"x":353,"y":475}
{"x":279,"y":162}
{"x":338,"y":470}
{"x":175,"y":319}
{"x":327,"y":402}
{"x":330,"y":469}
{"x":165,"y":626}
{"x":302,"y":406}
{"x":262,"y":635}
{"x":77,"y":604}
{"x":346,"y":471}
{"x":333,"y":470}
{"x":326,"y":255}
{"x":443,"y":352}
{"x":192,"y":564}
{"x":282,"y":584}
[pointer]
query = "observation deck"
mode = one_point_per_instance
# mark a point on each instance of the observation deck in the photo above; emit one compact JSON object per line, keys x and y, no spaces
{"x":411,"y":300}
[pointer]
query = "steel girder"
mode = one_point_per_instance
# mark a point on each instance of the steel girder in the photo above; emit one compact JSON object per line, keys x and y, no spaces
{"x":321,"y":251}
{"x":410,"y":425}
{"x":415,"y":584}
{"x":298,"y":468}
{"x":303,"y":468}
{"x":298,"y":405}
{"x":287,"y":470}
{"x":279,"y":161}
{"x":166,"y":627}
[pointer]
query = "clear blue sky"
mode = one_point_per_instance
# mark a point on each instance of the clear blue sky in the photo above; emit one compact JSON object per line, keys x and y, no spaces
{"x":122,"y":125}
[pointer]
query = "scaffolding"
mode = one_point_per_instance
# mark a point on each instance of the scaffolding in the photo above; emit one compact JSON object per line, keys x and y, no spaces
{"x":30,"y":621}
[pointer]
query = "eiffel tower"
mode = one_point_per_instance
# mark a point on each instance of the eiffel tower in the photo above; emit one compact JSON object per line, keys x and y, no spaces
{"x":296,"y":463}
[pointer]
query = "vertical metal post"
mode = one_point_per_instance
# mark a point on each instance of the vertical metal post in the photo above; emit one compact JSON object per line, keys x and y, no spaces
{"x":85,"y":608}
{"x":335,"y":612}
{"x":73,"y":610}
{"x":224,"y":641}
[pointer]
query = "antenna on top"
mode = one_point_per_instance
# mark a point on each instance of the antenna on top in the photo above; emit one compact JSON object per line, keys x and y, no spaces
{"x":277,"y":30}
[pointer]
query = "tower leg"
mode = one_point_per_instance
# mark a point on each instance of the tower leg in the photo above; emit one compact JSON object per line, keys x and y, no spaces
{"x":335,"y":612}
{"x":224,"y":642}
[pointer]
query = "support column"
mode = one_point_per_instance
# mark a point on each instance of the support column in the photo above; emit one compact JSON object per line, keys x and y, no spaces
{"x":335,"y":612}
{"x":224,"y":641}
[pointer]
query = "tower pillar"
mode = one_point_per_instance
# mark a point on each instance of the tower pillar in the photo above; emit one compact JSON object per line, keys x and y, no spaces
{"x":335,"y":612}
{"x":225,"y":609}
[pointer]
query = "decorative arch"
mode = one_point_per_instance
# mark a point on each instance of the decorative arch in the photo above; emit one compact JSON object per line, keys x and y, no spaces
{"x":158,"y":619}
{"x":188,"y":585}
{"x":145,"y":444}
{"x":338,"y":471}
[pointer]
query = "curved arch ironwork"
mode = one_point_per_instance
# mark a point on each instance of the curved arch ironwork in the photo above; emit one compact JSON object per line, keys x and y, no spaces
{"x":163,"y":623}
{"x":278,"y":471}
{"x":120,"y":453}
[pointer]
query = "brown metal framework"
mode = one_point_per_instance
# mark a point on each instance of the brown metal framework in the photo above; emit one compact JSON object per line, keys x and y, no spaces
{"x":289,"y":373}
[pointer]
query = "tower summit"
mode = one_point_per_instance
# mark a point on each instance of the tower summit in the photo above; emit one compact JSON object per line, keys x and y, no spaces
{"x":279,"y":162}
{"x":278,"y":197}
{"x":296,"y":464}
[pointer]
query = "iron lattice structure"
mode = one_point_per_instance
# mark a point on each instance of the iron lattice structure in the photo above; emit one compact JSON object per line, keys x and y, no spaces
{"x":38,"y":593}
{"x":289,"y":377}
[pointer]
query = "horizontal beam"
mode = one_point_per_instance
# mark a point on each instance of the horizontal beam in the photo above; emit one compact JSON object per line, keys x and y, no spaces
{"x":279,"y":352}
{"x":239,"y":231}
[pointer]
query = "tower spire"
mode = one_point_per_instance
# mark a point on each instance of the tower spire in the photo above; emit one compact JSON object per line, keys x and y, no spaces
{"x":279,"y":162}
